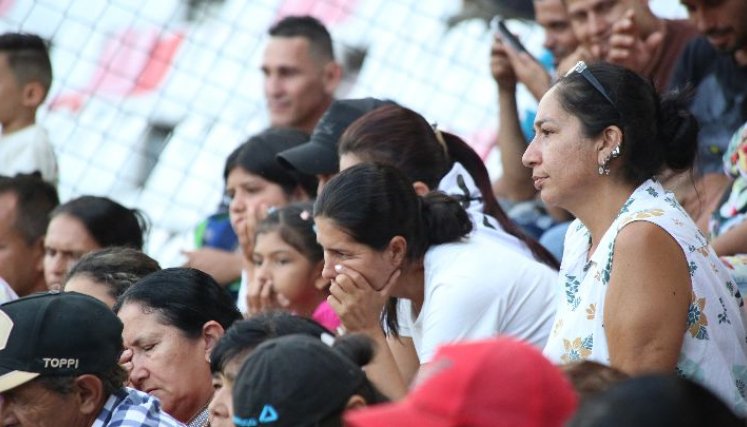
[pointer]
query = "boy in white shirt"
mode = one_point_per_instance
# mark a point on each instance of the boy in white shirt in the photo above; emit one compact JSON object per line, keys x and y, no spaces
{"x":25,"y":78}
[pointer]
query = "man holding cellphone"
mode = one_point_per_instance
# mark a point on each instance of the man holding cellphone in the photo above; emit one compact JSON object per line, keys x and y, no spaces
{"x":508,"y":67}
{"x":559,"y":40}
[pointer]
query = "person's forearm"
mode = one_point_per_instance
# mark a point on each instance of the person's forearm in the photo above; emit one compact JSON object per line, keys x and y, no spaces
{"x":383,"y":371}
{"x":516,"y":181}
{"x":732,"y":242}
{"x":538,"y":83}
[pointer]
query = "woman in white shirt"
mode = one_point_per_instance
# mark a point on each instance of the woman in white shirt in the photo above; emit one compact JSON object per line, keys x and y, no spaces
{"x":382,"y":240}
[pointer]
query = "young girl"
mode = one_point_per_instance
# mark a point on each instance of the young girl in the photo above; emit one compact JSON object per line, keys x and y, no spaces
{"x":287,"y":257}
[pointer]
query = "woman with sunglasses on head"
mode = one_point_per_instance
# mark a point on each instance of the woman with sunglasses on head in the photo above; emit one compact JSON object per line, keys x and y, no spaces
{"x":641,"y":289}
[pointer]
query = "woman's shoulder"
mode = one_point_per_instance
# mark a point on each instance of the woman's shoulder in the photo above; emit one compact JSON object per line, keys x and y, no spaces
{"x":650,"y":202}
{"x":658,"y":206}
{"x":482,"y":258}
{"x":479,"y":246}
{"x":643,"y":237}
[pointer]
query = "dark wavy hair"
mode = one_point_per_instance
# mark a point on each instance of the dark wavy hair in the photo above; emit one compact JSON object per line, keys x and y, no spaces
{"x":115,"y":268}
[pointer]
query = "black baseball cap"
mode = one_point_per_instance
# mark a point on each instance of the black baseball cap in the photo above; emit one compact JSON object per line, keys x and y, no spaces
{"x":295,"y":380}
{"x":56,"y":334}
{"x":318,"y":156}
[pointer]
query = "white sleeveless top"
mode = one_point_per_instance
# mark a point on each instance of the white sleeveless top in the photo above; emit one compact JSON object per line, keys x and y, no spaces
{"x":714,"y":350}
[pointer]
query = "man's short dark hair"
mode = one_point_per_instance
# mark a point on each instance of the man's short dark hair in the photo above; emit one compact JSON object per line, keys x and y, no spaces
{"x":28,"y":58}
{"x":309,"y":28}
{"x":36,"y":199}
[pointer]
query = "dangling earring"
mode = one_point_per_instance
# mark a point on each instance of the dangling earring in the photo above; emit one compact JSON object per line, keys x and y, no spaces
{"x":604,"y":168}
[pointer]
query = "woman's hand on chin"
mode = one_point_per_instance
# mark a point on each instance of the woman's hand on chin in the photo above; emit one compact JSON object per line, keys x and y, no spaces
{"x":356,"y":302}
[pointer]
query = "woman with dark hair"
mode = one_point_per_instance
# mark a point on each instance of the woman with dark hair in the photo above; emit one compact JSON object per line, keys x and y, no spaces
{"x":85,"y":224}
{"x":642,"y":289}
{"x":172,"y":320}
{"x":434,"y":160}
{"x":256,"y":182}
{"x":381,"y":239}
{"x":107,"y":273}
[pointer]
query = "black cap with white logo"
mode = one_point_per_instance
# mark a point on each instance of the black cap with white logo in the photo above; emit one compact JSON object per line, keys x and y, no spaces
{"x":292,"y":381}
{"x":56,"y":334}
{"x":319,"y":155}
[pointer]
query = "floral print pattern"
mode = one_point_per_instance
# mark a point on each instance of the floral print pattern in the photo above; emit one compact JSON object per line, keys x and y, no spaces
{"x":571,"y":291}
{"x":577,"y":349}
{"x":697,"y":321}
{"x":715,"y":322}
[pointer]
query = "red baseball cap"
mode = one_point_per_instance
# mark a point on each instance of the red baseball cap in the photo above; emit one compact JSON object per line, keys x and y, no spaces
{"x":491,"y":383}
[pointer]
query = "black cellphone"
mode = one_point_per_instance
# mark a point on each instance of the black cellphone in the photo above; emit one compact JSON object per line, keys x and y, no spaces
{"x":498,"y":25}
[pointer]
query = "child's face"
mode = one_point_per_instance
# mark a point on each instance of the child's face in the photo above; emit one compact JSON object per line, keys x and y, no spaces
{"x":221,"y":406}
{"x":292,"y":276}
{"x":11,"y":94}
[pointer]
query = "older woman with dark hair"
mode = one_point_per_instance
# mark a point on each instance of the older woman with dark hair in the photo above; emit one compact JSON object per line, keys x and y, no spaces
{"x":642,"y":289}
{"x":172,"y":320}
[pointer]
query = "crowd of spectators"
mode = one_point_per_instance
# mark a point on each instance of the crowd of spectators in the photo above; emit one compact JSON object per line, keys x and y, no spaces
{"x":380,"y":278}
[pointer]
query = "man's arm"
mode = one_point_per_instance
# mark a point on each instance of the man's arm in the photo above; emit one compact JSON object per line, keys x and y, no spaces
{"x":515,"y":183}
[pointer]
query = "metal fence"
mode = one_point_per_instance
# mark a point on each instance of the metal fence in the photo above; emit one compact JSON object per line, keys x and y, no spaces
{"x":150,"y":96}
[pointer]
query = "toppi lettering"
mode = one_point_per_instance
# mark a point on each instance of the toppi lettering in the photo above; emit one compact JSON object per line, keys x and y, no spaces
{"x":54,"y":362}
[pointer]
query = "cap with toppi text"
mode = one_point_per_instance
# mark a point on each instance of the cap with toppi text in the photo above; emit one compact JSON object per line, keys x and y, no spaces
{"x":56,"y":334}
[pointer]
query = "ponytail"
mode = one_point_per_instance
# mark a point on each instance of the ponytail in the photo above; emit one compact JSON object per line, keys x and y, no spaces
{"x":678,"y":132}
{"x":359,"y":349}
{"x":443,"y":219}
{"x":460,"y":152}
